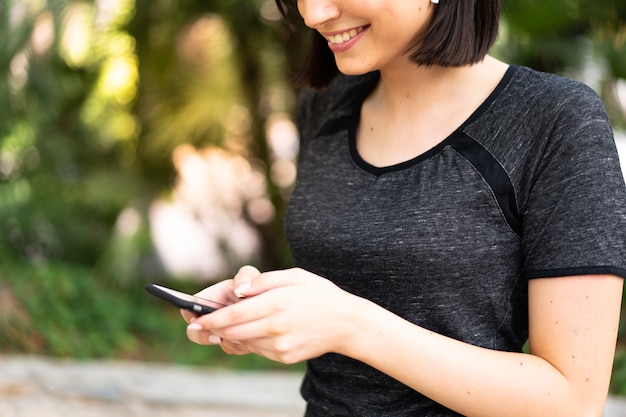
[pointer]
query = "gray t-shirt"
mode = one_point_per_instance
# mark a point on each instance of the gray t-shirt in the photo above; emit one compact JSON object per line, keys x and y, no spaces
{"x":528,"y":187}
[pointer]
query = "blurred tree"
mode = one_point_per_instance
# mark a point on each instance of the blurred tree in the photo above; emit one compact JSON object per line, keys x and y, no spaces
{"x":584,"y":39}
{"x":62,"y":183}
{"x":210,"y":73}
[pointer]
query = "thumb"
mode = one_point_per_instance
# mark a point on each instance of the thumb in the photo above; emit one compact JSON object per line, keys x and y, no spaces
{"x":266,"y":281}
{"x":243,"y":280}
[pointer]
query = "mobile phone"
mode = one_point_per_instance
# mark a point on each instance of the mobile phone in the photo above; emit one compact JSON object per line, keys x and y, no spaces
{"x":197,"y":305}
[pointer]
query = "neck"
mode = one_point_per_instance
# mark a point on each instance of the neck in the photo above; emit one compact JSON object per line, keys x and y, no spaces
{"x":416,"y":87}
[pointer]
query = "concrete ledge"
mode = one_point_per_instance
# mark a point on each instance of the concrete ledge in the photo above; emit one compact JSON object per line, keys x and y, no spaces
{"x":69,"y":388}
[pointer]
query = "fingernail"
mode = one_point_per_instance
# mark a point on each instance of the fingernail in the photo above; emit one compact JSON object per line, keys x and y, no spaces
{"x":216,"y":340}
{"x":194,"y":327}
{"x":239,"y":291}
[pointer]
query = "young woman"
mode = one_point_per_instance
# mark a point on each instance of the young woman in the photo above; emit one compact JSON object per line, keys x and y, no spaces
{"x":449,"y":208}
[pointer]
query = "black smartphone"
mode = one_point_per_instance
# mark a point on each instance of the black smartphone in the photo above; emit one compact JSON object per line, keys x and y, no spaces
{"x":179,"y":299}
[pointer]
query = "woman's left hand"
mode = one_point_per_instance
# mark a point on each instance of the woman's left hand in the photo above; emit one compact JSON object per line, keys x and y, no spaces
{"x":288,"y":316}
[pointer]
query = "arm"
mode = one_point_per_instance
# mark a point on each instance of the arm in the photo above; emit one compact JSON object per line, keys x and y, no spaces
{"x":573,"y":329}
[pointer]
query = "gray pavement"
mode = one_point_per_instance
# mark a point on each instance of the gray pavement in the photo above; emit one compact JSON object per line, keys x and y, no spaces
{"x":46,"y":387}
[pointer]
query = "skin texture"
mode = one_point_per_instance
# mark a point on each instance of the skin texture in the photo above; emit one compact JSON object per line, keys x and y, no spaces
{"x":573,"y":320}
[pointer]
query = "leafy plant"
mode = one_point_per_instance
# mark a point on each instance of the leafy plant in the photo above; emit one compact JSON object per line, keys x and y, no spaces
{"x":70,"y":311}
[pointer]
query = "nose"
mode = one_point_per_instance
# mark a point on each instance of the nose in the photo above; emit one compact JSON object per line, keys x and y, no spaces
{"x":317,"y":12}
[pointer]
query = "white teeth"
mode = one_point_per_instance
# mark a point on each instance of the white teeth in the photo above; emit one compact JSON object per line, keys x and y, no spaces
{"x":344,"y":37}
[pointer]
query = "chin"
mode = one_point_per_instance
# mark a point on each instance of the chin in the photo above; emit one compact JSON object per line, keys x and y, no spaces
{"x":354,"y":69}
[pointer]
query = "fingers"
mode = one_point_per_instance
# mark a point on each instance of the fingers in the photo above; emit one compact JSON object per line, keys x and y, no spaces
{"x":188,"y":316}
{"x":262,"y":282}
{"x":198,"y":335}
{"x":250,"y":281}
{"x":226,"y":292}
{"x":243,"y":280}
{"x":240,"y":327}
{"x":222,"y":292}
{"x":272,"y":293}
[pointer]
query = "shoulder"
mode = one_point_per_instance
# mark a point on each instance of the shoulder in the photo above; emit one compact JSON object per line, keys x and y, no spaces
{"x":533,"y":106}
{"x":550,"y":94}
{"x":542,"y":125}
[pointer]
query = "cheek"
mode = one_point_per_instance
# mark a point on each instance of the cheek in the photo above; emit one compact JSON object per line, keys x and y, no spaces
{"x":411,"y":35}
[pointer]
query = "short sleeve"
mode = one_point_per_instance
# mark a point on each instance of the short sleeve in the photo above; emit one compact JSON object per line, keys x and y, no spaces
{"x":574,"y":222}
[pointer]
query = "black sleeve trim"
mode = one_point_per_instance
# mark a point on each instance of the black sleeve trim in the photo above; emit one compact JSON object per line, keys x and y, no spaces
{"x":582,"y":270}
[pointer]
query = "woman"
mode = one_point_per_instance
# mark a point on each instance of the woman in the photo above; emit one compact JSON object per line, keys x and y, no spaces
{"x":449,"y":207}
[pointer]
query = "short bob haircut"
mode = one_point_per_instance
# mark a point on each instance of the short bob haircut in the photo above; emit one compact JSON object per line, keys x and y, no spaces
{"x":461,"y":33}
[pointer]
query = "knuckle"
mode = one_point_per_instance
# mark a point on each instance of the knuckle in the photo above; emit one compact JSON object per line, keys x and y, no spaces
{"x":278,"y":327}
{"x":287,"y":358}
{"x":235,"y":348}
{"x":229,"y":334}
{"x":282,"y":347}
{"x":229,"y":349}
{"x":247,"y":271}
{"x":196,"y":338}
{"x":237,"y":315}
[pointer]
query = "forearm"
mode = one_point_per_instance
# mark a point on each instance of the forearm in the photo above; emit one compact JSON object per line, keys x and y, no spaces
{"x":470,"y":380}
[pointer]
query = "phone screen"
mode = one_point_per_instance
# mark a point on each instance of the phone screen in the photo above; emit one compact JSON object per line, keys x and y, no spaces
{"x":179,"y":299}
{"x":188,"y":297}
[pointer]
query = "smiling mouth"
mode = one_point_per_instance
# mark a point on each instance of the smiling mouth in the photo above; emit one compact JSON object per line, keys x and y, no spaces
{"x":345,"y":36}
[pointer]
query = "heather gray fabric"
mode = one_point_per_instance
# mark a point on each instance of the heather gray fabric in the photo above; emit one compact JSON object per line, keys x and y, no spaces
{"x":528,"y":187}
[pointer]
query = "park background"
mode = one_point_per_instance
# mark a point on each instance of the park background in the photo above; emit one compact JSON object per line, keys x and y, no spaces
{"x":153,"y":141}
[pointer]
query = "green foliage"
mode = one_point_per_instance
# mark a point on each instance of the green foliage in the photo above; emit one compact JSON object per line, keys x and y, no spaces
{"x":66,"y":312}
{"x":70,"y":311}
{"x":570,"y":37}
{"x":62,"y":183}
{"x":550,"y":35}
{"x":618,"y":378}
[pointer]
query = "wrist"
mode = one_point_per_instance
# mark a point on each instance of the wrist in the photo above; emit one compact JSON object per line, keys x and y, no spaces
{"x":359,"y":320}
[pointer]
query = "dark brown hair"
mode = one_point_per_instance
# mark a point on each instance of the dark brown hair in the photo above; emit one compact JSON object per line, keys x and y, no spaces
{"x":461,"y":33}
